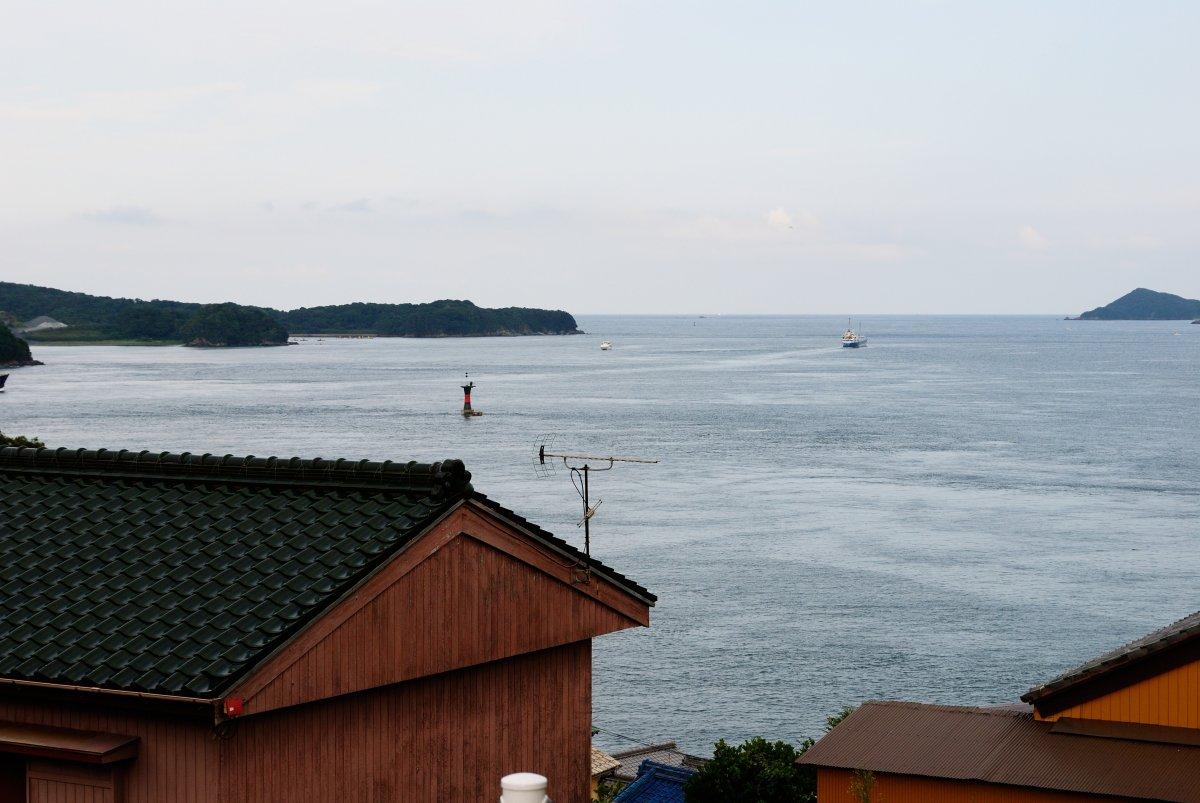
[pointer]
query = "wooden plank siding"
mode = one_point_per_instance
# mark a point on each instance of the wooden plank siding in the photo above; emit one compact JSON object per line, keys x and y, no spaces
{"x":464,"y":658}
{"x":177,"y":759}
{"x":1172,"y":699}
{"x":57,"y":782}
{"x":467,"y":592}
{"x":833,"y":786}
{"x":449,"y":737}
{"x":434,"y":740}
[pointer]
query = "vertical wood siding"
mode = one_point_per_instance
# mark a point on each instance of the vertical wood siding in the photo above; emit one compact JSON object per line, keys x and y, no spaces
{"x":1172,"y":698}
{"x":466,"y":604}
{"x":466,"y":658}
{"x":55,"y":782}
{"x":177,"y":760}
{"x":833,"y":786}
{"x":442,"y":739}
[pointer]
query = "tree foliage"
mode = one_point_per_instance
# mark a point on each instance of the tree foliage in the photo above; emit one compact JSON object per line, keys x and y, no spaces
{"x":607,"y":790}
{"x":100,"y":317}
{"x":20,"y":440}
{"x":447,"y":318}
{"x":13,"y":349}
{"x":232,"y":325}
{"x":758,"y":771}
{"x":147,"y":320}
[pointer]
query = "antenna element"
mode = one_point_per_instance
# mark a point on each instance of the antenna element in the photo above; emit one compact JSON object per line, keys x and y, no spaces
{"x":580,"y":468}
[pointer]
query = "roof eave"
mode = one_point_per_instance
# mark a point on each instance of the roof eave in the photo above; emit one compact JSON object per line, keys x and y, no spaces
{"x":104,"y":695}
{"x":1129,"y":669}
{"x":535,"y":533}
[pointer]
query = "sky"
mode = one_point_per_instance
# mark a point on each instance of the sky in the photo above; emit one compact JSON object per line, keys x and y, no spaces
{"x":604,"y":157}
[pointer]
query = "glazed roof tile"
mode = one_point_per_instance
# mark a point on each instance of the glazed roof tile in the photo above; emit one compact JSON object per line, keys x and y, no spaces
{"x":656,"y":783}
{"x":174,"y":574}
{"x":177,"y":573}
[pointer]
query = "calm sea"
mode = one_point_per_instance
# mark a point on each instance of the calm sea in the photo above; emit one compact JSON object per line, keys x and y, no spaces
{"x":960,"y":510}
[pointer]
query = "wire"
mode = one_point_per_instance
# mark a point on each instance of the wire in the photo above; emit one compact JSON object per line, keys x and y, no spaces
{"x":578,"y":487}
{"x":598,"y":729}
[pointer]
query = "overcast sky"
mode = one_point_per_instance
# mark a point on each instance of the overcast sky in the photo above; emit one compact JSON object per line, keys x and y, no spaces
{"x":765,"y":157}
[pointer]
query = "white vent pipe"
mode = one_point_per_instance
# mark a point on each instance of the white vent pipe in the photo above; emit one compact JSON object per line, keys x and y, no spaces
{"x":524,"y":787}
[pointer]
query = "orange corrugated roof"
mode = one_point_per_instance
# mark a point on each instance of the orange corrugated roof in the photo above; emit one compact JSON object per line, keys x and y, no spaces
{"x":1008,"y":747}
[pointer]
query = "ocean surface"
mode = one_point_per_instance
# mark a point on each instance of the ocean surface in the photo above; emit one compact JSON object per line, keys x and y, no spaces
{"x":956,"y":512}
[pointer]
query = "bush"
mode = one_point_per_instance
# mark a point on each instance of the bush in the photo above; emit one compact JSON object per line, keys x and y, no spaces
{"x":758,"y":771}
{"x":20,"y":440}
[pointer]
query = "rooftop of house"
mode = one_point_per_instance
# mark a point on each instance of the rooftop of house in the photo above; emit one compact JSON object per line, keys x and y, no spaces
{"x":656,"y":783}
{"x":1140,"y":651}
{"x":602,"y":763}
{"x":176,"y":574}
{"x":1008,"y":746}
{"x":666,"y":753}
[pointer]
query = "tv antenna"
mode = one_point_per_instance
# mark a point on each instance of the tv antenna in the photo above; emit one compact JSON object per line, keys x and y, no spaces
{"x":580,"y":468}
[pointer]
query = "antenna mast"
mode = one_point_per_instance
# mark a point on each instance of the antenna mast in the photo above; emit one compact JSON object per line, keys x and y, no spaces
{"x":580,"y":468}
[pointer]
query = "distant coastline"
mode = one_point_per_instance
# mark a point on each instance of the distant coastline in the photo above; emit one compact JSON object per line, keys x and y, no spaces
{"x":48,"y":315}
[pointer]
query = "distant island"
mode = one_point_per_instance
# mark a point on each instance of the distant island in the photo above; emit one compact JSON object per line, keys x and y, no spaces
{"x":14,"y":351}
{"x":47,"y":315}
{"x":1145,"y":305}
{"x":224,"y":325}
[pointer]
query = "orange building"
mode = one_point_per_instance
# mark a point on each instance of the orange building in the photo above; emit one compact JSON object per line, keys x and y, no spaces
{"x":1124,"y":726}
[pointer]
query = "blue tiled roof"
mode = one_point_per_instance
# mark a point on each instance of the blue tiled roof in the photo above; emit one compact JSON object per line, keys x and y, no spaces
{"x":656,"y":783}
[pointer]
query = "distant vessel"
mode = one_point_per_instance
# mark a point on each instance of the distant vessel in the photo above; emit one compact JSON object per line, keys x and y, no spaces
{"x":606,"y":345}
{"x":852,"y":339}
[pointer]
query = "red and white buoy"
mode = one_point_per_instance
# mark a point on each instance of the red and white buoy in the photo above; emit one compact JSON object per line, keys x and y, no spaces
{"x":467,"y":411}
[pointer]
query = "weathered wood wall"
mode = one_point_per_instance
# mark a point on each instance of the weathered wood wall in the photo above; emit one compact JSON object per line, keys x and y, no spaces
{"x":56,"y":782}
{"x":468,"y":592}
{"x":177,"y":759}
{"x":440,"y":739}
{"x":466,"y":658}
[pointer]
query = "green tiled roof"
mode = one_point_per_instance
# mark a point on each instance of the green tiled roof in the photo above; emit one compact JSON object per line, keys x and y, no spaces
{"x":174,"y":574}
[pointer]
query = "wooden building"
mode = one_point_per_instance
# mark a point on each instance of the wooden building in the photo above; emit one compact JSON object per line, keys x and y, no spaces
{"x":1124,"y":726}
{"x":185,"y":629}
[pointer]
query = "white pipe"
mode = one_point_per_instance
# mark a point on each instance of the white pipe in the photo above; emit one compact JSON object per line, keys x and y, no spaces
{"x":523,"y":787}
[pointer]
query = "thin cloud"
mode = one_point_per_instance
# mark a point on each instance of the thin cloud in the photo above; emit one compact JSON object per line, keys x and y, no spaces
{"x":124,"y":216}
{"x":1032,"y":239}
{"x":778,"y":218}
{"x":133,"y":104}
{"x":358,"y":206}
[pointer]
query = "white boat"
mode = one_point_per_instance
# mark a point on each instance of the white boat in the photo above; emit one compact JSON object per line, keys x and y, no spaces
{"x":606,"y":345}
{"x":852,"y":339}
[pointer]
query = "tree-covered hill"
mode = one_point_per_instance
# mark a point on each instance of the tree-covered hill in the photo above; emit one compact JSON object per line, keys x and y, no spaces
{"x":436,"y":319}
{"x":1145,"y":305}
{"x":13,"y":350}
{"x":233,"y":325}
{"x":91,"y":317}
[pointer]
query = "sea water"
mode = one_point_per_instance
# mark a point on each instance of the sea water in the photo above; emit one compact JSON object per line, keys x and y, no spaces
{"x":956,"y":512}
